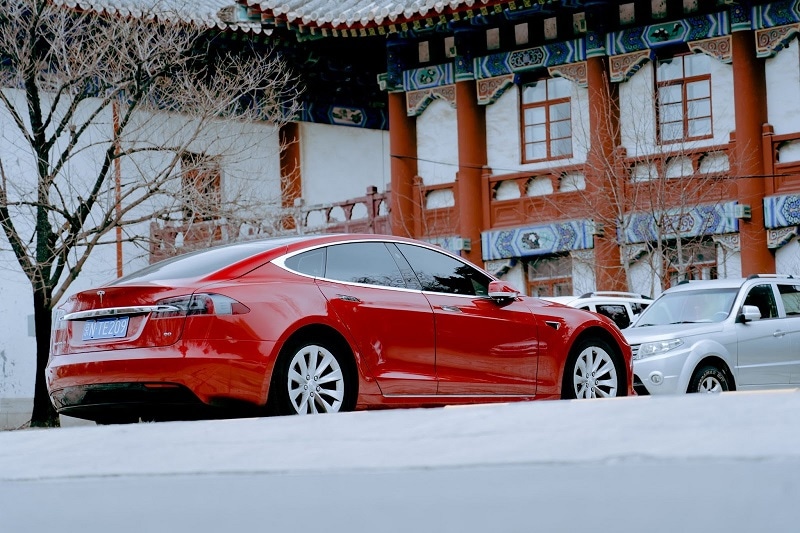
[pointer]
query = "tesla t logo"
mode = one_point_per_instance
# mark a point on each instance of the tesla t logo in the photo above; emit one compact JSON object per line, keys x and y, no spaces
{"x":100,"y":294}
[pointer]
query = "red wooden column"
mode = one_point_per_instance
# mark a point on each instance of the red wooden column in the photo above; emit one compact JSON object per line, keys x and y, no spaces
{"x":403,"y":165}
{"x":603,"y":139}
{"x":291,"y":177}
{"x":471,"y":119}
{"x":750,"y":106}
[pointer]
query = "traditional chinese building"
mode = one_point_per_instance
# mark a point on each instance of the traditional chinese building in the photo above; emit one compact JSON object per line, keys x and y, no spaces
{"x":570,"y":145}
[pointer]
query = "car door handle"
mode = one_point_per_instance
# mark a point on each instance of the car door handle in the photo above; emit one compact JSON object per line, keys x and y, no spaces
{"x":348,"y":298}
{"x":451,"y":308}
{"x":779,"y":333}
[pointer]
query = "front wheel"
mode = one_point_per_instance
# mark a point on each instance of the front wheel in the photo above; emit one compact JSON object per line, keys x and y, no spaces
{"x":313,"y":379}
{"x":593,"y":370}
{"x":709,"y":378}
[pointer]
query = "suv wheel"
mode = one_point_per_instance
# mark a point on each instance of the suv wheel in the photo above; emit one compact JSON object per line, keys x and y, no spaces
{"x":708,"y":378}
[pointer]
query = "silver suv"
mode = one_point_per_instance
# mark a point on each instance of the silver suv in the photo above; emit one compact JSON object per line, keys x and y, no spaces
{"x":719,"y":335}
{"x":621,"y":307}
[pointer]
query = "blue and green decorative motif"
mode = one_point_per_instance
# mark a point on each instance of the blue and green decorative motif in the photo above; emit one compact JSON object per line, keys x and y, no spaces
{"x":537,"y":240}
{"x":658,"y":35}
{"x":715,"y":219}
{"x":782,"y":211}
{"x":776,"y":14}
{"x":428,"y":77}
{"x":549,"y":55}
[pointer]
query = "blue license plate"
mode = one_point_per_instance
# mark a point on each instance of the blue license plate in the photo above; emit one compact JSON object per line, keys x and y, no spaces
{"x":107,"y":328}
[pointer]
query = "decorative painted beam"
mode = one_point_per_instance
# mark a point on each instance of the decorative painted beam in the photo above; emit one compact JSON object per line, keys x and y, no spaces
{"x":417,"y":101}
{"x":622,"y":67}
{"x":782,"y":211}
{"x":574,"y":72}
{"x":490,"y":89}
{"x":713,"y":219}
{"x":537,"y":240}
{"x":770,"y":41}
{"x":718,"y":48}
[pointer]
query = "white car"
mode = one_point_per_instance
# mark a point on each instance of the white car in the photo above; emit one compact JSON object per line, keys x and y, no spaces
{"x":719,"y":335}
{"x":621,"y":307}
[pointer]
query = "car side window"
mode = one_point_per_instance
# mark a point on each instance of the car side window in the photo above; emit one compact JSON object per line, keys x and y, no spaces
{"x":615,"y":312}
{"x":790,"y":295}
{"x":363,"y":262}
{"x":440,"y":272}
{"x":763,"y":297}
{"x":311,"y":263}
{"x":637,"y":307}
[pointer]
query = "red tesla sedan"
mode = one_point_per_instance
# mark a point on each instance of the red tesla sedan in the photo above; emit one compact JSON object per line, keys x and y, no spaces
{"x":316,"y":324}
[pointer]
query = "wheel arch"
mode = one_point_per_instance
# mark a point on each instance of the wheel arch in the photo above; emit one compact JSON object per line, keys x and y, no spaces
{"x":597,"y":332}
{"x":716,"y":361}
{"x":322,"y":333}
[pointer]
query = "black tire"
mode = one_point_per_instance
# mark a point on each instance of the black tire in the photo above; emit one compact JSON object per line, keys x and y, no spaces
{"x":593,"y":370}
{"x":709,"y":379}
{"x":312,"y":377}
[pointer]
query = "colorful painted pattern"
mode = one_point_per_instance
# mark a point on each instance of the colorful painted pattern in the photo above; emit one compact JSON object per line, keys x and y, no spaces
{"x":715,"y":219}
{"x":428,"y":77}
{"x":549,"y":55}
{"x":776,"y":14}
{"x":782,"y":211}
{"x":537,"y":240}
{"x":375,"y":119}
{"x":668,"y":33}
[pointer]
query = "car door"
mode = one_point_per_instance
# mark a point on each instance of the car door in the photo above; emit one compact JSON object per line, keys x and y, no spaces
{"x":482,"y":347}
{"x":387,"y":315}
{"x":764,"y":351}
{"x":790,"y":300}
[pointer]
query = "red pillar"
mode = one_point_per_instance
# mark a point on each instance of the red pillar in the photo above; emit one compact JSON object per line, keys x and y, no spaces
{"x":291,"y":177}
{"x":603,"y":139}
{"x":471,"y":119}
{"x":403,"y":165}
{"x":750,"y":106}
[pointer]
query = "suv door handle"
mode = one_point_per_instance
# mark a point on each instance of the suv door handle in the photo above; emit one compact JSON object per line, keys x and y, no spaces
{"x":779,"y":333}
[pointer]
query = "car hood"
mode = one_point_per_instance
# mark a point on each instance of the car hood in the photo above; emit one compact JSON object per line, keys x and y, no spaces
{"x":640,"y":334}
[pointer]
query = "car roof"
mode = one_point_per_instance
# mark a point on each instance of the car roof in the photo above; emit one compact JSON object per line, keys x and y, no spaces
{"x":599,"y":296}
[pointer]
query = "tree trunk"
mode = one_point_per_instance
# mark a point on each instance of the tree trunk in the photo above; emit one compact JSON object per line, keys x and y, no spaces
{"x":44,"y":415}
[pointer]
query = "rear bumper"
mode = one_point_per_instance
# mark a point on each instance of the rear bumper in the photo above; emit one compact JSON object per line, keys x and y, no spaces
{"x":181,"y":377}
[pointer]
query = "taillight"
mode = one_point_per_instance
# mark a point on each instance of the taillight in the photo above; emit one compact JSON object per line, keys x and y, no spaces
{"x":199,"y":304}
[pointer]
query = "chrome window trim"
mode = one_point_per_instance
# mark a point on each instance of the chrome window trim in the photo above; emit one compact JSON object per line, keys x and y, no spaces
{"x":119,"y":311}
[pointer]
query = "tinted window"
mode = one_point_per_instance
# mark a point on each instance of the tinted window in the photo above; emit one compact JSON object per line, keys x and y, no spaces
{"x":363,"y":262}
{"x":203,"y":262}
{"x":617,"y":313}
{"x":439,"y":272}
{"x":790,"y":294}
{"x":762,"y":297}
{"x":311,"y":263}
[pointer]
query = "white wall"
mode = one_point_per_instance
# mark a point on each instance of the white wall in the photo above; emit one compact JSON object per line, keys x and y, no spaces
{"x":637,"y":111}
{"x":339,"y":162}
{"x":782,"y":72}
{"x":503,"y":133}
{"x":437,"y":143}
{"x":787,"y":258}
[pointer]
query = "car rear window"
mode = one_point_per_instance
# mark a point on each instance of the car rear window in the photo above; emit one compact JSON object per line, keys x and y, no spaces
{"x":203,"y":262}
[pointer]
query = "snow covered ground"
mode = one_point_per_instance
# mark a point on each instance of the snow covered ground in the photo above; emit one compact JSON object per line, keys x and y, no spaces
{"x":727,"y":462}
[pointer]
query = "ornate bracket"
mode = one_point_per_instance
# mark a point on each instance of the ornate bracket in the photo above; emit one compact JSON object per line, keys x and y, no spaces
{"x":574,"y":72}
{"x":777,"y":238}
{"x":417,"y":101}
{"x":772,"y":40}
{"x":623,"y":66}
{"x":718,"y":48}
{"x":490,"y":89}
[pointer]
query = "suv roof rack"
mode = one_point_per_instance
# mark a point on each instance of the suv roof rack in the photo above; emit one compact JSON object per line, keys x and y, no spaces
{"x":613,"y":293}
{"x":758,"y":276}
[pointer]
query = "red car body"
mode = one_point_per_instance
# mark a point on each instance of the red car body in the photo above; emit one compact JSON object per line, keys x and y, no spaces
{"x":227,"y":327}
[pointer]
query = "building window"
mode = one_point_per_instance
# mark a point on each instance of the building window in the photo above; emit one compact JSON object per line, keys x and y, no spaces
{"x":549,"y":276}
{"x":694,"y":260}
{"x":201,"y":188}
{"x":683,"y":85}
{"x":546,"y":120}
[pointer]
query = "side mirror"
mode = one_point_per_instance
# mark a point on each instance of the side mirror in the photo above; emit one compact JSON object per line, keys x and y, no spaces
{"x":748,"y":314}
{"x":501,"y":291}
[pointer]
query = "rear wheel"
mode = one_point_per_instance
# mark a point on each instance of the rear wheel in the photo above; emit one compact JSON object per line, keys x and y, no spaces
{"x":313,"y":378}
{"x":709,"y":378}
{"x":593,"y":370}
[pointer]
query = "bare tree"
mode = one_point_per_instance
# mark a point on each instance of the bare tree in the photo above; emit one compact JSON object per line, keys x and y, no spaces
{"x":110,"y":118}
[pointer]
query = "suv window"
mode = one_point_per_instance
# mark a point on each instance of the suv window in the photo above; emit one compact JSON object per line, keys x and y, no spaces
{"x":790,"y":295}
{"x":363,"y":262}
{"x":763,"y":297}
{"x":439,"y":272}
{"x":615,"y":312}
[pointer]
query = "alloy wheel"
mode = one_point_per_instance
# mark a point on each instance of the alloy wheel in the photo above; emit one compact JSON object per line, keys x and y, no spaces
{"x":315,"y":381}
{"x":595,"y":375}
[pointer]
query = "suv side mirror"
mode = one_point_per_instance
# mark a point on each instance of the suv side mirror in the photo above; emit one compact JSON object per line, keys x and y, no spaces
{"x":748,"y":314}
{"x":500,"y":291}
